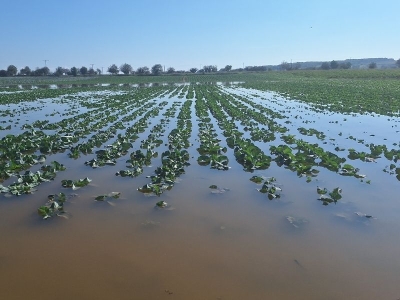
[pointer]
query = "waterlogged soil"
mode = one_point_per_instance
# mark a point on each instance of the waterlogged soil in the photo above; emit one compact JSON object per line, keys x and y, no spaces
{"x":230,"y":241}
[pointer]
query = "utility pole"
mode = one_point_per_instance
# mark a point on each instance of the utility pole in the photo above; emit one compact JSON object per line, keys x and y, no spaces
{"x":92,"y":65}
{"x":102,"y":70}
{"x":45,"y":62}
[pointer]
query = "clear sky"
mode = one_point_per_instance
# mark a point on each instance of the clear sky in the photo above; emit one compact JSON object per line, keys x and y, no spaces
{"x":194,"y":33}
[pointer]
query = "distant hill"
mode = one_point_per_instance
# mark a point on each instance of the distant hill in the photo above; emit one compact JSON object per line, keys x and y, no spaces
{"x":356,"y":63}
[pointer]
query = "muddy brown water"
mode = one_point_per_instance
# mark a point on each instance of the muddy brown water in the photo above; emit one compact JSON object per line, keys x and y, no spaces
{"x":234,"y":245}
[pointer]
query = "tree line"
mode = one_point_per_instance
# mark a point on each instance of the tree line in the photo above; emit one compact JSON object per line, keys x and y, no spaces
{"x":324,"y":66}
{"x":332,"y":65}
{"x":158,"y":69}
{"x":125,"y":69}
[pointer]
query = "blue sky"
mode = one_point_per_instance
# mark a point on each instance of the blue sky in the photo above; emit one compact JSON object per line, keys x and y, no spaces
{"x":193,"y":33}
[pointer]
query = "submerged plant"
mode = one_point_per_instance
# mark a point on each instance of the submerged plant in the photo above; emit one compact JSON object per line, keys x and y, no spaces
{"x":54,"y":206}
{"x":75,"y":184}
{"x":161,"y":204}
{"x":328,"y":197}
{"x":268,"y":187}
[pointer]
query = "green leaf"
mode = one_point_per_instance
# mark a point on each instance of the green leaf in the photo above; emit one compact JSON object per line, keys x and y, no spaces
{"x":44,"y":212}
{"x":336,"y":194}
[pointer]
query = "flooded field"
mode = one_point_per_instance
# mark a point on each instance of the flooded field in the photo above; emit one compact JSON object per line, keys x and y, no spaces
{"x":195,"y":191}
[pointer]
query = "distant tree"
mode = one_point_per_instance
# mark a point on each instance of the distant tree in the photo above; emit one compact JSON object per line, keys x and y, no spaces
{"x":25,"y":71}
{"x":210,"y":68}
{"x":41,"y":72}
{"x":156,"y":69}
{"x":113,"y":69}
{"x":285,"y":66}
{"x":398,"y":63}
{"x":126,"y":69}
{"x":193,"y":70}
{"x":170,"y":70}
{"x":45,"y":71}
{"x":334,"y":64}
{"x":74,"y":71}
{"x":38,"y":72}
{"x":295,"y":66}
{"x":91,"y":72}
{"x":345,"y":65}
{"x":325,"y":66}
{"x":3,"y":73}
{"x":263,"y":68}
{"x":12,"y":70}
{"x":139,"y":71}
{"x":228,"y":68}
{"x":59,"y":71}
{"x":98,"y":71}
{"x":143,"y":71}
{"x":372,"y":65}
{"x":83,"y":70}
